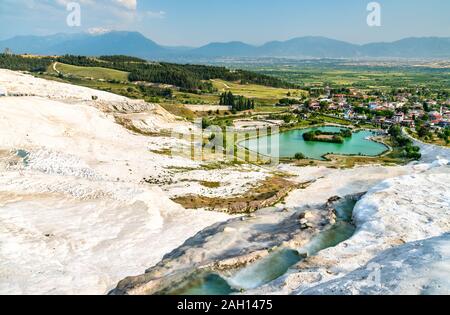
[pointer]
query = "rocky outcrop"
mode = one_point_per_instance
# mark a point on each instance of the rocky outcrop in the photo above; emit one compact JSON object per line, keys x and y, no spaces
{"x":270,"y":192}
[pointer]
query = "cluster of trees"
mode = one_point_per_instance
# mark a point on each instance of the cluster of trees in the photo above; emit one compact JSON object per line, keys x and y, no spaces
{"x":237,"y":102}
{"x":299,"y":156}
{"x":287,"y":102}
{"x":346,"y":133}
{"x":424,"y":131}
{"x":315,"y":135}
{"x":30,"y":63}
{"x":150,"y":91}
{"x":121,"y":58}
{"x":81,"y":61}
{"x":167,"y":73}
{"x":405,"y":144}
{"x":333,"y":137}
{"x":445,"y":135}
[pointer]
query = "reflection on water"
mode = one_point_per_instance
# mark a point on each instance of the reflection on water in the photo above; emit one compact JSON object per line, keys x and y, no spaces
{"x":340,"y":232}
{"x":204,"y":284}
{"x":24,"y":155}
{"x":266,"y":270}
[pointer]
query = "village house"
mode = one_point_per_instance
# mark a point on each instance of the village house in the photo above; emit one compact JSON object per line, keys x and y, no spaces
{"x":327,"y":100}
{"x":414,"y":114}
{"x":435,"y":118}
{"x":408,"y":123}
{"x":314,"y":106}
{"x":333,"y":107}
{"x":373,"y":106}
{"x":349,"y":114}
{"x":446,"y":115}
{"x":399,"y":118}
{"x":360,"y":117}
{"x":402,"y":99}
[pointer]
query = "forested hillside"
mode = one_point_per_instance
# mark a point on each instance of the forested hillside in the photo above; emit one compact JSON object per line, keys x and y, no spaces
{"x":187,"y":77}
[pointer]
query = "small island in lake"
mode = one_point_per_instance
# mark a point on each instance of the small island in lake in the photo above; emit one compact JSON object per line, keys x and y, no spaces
{"x":326,"y":136}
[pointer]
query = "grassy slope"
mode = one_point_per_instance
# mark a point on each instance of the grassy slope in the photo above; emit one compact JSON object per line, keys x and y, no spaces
{"x":256,"y":91}
{"x":91,"y":72}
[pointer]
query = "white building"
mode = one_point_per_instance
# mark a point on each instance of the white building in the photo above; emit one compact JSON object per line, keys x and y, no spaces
{"x":399,"y":118}
{"x":3,"y":91}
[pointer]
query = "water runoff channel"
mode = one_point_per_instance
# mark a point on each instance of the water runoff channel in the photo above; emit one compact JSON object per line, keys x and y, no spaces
{"x":274,"y":265}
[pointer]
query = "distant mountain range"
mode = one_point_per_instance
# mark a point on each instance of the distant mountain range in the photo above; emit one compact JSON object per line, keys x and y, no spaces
{"x":136,"y":44}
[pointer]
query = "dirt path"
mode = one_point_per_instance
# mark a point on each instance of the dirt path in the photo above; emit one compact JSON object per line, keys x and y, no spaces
{"x":54,"y":68}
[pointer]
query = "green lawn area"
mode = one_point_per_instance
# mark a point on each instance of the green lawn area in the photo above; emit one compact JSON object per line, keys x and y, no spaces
{"x":91,"y":72}
{"x":195,"y":99}
{"x":258,"y":92}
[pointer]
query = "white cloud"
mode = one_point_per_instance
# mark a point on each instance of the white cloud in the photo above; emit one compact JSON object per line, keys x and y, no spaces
{"x":129,"y":4}
{"x":155,"y":15}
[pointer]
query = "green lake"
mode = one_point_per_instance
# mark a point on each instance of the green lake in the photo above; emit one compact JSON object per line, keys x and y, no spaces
{"x":291,"y":142}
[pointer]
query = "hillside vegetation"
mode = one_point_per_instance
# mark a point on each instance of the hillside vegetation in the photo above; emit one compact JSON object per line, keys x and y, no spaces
{"x":191,"y":78}
{"x":258,"y":92}
{"x":174,"y":84}
{"x":97,"y":73}
{"x":20,"y":63}
{"x":188,"y":77}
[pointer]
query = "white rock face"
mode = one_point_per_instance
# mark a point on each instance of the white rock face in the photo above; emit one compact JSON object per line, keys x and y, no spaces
{"x":75,"y":217}
{"x":20,"y":83}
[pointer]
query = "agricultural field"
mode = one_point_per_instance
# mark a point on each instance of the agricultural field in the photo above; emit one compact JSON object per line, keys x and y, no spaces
{"x":356,"y":74}
{"x":364,"y":78}
{"x":96,"y":73}
{"x":263,"y":94}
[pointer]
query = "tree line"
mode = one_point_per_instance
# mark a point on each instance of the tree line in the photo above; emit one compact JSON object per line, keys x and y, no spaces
{"x":237,"y":102}
{"x":19,"y":63}
{"x":405,"y":145}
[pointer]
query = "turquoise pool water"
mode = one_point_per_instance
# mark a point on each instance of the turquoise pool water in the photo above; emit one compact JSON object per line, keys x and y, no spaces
{"x":291,"y":142}
{"x":274,"y":265}
{"x":203,"y":284}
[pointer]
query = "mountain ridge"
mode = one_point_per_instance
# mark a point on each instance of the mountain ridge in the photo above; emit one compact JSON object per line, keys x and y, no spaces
{"x":136,"y":44}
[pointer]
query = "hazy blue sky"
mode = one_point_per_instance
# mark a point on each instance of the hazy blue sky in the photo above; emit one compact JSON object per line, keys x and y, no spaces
{"x":196,"y":22}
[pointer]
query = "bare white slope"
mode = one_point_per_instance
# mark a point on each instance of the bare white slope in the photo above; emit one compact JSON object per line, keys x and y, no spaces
{"x":74,"y":215}
{"x":416,"y":268}
{"x":74,"y":236}
{"x":149,"y":117}
{"x":19,"y":83}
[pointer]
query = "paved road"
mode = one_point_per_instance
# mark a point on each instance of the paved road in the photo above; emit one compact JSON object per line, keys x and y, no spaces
{"x":430,"y":152}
